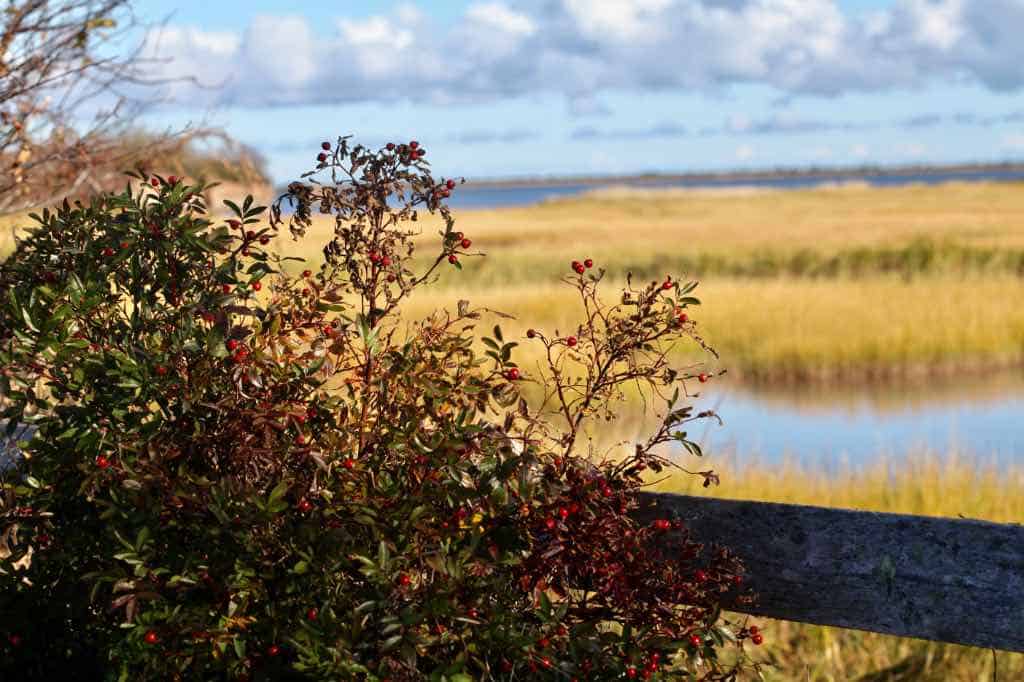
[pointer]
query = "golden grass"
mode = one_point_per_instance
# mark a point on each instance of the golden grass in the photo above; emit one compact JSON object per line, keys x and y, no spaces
{"x":791,"y":328}
{"x":920,"y":484}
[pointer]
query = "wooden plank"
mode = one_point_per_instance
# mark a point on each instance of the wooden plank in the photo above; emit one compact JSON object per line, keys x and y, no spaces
{"x":9,"y":452}
{"x":949,"y":580}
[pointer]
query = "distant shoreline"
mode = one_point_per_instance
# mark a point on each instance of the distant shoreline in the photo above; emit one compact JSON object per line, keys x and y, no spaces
{"x":729,"y":177}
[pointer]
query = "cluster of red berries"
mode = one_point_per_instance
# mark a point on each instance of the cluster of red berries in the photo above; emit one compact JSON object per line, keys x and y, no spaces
{"x":580,"y":268}
{"x":413,"y":151}
{"x":444,"y":190}
{"x":239,"y":352}
{"x":322,"y":156}
{"x":171,"y":180}
{"x":459,"y":240}
{"x":755,"y":635}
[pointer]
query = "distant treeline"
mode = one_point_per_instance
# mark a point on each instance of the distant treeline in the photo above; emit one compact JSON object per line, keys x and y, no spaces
{"x":780,"y":173}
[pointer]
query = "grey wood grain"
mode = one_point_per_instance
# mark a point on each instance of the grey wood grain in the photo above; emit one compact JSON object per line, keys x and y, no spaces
{"x":949,"y":580}
{"x":9,"y":452}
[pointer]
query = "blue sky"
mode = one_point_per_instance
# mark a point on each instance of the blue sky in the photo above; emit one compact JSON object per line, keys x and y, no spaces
{"x":553,"y":87}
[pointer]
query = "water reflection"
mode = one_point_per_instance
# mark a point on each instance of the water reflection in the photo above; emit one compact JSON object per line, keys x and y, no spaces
{"x":825,"y":426}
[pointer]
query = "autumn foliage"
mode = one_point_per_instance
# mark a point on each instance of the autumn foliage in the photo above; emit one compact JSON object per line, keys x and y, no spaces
{"x":247,"y":470}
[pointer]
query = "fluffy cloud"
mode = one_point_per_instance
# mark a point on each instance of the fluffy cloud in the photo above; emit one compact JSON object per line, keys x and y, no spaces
{"x":584,"y":47}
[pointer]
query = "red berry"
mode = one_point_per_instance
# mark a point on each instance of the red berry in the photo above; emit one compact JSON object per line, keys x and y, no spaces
{"x":172,"y":179}
{"x":588,"y":263}
{"x":305,"y":506}
{"x":453,"y":259}
{"x":543,"y":643}
{"x":256,"y":286}
{"x":571,"y":341}
{"x":404,"y":580}
{"x":312,"y":614}
{"x":102,"y":462}
{"x":300,"y":439}
{"x":386,"y":261}
{"x":234,"y":224}
{"x":754,"y":629}
{"x":695,"y":640}
{"x":702,"y":377}
{"x":108,"y":252}
{"x":226,"y":288}
{"x":662,"y":524}
{"x":264,"y":240}
{"x":321,"y":157}
{"x":307,"y":273}
{"x":326,"y":146}
{"x":250,"y":235}
{"x":700,"y":576}
{"x":391,"y":146}
{"x":161,"y":370}
{"x":414,"y":144}
{"x":512,"y":374}
{"x":231,"y":344}
{"x":631,"y":672}
{"x":241,"y":356}
{"x":666,"y":285}
{"x":15,"y":640}
{"x":273,"y":650}
{"x":550,"y":523}
{"x":576,"y":265}
{"x":683,"y":318}
{"x":348,"y":463}
{"x":563,"y":512}
{"x":757,"y":640}
{"x":151,"y":637}
{"x":450,"y":184}
{"x":530,"y":333}
{"x":124,"y":245}
{"x":154,"y":182}
{"x":466,"y":243}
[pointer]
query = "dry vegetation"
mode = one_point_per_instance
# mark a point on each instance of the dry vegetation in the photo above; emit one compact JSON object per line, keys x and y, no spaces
{"x":798,"y":284}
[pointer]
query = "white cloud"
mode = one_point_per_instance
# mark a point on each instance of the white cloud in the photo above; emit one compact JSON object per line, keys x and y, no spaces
{"x":495,"y":15}
{"x":582,"y":48}
{"x":744,"y":152}
{"x":1014,"y":142}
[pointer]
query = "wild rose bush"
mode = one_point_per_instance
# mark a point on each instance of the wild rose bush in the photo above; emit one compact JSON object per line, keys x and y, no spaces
{"x":245,"y":474}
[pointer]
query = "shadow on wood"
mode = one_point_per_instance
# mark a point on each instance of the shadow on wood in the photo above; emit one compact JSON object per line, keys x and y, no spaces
{"x":949,"y":580}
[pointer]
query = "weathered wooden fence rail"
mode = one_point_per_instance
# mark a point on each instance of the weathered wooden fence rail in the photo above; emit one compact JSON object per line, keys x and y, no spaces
{"x":949,"y":580}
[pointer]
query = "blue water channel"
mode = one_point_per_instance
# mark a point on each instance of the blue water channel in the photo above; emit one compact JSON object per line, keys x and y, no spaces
{"x":980,"y":418}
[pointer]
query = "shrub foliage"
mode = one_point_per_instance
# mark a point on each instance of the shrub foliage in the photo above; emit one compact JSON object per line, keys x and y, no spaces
{"x":244,"y":471}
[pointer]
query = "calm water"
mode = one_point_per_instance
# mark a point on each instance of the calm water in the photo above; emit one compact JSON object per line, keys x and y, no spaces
{"x":981,"y":417}
{"x":468,"y":196}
